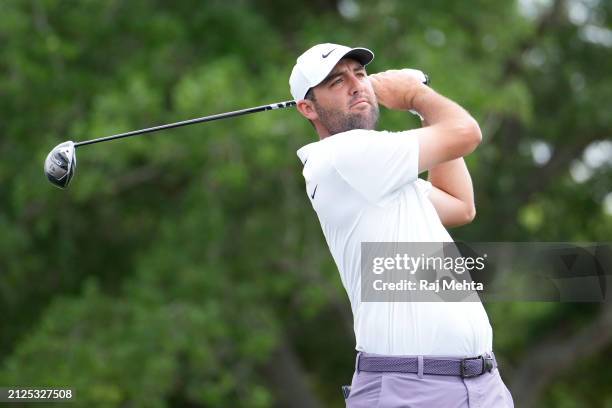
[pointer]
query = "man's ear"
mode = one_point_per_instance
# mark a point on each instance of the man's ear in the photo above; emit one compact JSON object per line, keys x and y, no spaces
{"x":306,"y":108}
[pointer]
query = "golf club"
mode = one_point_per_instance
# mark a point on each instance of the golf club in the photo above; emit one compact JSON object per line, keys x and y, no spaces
{"x":60,"y":164}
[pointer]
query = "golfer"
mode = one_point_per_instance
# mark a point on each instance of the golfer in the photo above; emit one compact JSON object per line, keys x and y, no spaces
{"x":364,"y":186}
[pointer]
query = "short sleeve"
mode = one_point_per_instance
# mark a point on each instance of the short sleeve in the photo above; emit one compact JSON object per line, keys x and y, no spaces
{"x":375,"y":163}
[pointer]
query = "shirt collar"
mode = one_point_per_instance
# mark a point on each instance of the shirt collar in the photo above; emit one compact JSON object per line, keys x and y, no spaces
{"x":304,"y":151}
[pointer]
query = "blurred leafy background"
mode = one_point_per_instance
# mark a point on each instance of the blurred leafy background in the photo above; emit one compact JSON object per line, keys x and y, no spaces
{"x":188,"y":268}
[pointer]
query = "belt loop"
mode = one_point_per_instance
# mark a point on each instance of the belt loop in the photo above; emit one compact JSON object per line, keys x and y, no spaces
{"x":357,"y":362}
{"x":493,"y":360}
{"x":420,"y":366}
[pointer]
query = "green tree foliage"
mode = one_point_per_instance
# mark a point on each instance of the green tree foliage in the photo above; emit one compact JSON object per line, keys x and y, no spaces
{"x":188,"y":268}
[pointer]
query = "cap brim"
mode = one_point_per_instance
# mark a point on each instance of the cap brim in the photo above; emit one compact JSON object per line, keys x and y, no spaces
{"x":363,"y":55}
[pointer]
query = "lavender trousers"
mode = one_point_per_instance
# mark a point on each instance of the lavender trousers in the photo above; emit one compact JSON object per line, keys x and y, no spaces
{"x":408,"y":390}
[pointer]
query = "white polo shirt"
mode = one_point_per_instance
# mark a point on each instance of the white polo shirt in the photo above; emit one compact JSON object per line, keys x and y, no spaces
{"x":364,"y":187}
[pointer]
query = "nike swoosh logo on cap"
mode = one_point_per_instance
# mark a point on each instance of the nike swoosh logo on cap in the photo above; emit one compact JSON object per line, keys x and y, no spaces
{"x":314,"y":192}
{"x":327,"y":55}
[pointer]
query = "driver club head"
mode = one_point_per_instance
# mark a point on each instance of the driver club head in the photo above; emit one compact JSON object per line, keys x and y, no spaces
{"x":60,"y":164}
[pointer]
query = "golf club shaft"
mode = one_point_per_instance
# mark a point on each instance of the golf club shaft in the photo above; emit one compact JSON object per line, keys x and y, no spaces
{"x":210,"y":118}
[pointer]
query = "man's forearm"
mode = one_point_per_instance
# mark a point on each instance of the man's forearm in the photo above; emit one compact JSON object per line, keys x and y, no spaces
{"x":437,"y":109}
{"x":454,"y":178}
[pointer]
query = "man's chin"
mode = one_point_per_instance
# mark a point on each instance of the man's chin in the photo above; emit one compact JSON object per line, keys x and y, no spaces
{"x":367,"y":124}
{"x":368,"y":119}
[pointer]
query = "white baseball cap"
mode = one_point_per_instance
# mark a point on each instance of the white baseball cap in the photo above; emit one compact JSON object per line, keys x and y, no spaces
{"x":314,"y":65}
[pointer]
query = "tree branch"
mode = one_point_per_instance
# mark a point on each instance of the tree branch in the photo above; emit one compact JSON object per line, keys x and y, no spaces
{"x":558,"y":163}
{"x":287,"y":378}
{"x":554,"y":16}
{"x":550,"y":358}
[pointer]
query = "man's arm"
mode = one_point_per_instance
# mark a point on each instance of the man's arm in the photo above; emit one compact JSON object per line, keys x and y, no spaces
{"x":449,"y":133}
{"x":452,"y":194}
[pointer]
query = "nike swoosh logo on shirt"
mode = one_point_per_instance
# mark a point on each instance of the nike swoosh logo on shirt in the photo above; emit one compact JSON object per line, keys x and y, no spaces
{"x":314,"y":192}
{"x":327,"y":55}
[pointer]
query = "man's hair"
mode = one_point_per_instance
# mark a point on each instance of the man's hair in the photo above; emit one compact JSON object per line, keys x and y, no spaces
{"x":310,"y":95}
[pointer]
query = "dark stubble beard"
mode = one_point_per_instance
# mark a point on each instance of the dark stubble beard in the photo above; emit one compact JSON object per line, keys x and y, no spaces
{"x":337,"y":121}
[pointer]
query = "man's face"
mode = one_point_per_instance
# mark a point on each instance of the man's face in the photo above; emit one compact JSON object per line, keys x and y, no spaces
{"x":345,"y":100}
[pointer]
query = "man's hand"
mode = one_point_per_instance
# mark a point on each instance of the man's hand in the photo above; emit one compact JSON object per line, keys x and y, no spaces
{"x":395,"y":89}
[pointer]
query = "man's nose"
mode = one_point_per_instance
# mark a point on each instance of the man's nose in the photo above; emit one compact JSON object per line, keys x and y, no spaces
{"x":356,"y":84}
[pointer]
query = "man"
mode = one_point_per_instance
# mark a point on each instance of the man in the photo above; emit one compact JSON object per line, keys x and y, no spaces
{"x":364,"y":187}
